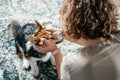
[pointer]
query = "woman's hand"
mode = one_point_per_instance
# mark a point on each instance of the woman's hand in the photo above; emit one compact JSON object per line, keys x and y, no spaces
{"x":48,"y":46}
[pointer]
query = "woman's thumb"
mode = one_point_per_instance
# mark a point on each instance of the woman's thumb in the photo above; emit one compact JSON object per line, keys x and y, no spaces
{"x":45,"y":41}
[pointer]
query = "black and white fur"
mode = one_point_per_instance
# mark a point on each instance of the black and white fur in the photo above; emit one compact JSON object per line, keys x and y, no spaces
{"x":25,"y":49}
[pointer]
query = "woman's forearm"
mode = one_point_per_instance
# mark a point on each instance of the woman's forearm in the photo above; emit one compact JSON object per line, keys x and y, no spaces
{"x":58,"y":60}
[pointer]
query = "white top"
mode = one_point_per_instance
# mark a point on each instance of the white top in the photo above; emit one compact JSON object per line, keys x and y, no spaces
{"x":100,"y":62}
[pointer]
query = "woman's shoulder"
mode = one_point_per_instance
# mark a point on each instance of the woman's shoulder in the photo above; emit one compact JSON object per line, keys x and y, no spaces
{"x":115,"y":38}
{"x":72,"y":55}
{"x":74,"y":59}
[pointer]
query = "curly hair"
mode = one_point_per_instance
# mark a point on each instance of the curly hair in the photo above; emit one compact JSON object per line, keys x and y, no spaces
{"x":90,"y":19}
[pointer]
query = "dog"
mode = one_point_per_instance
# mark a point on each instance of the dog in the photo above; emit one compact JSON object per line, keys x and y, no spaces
{"x":26,"y":37}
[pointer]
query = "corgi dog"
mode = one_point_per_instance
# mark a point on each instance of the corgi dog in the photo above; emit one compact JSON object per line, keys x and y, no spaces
{"x":26,"y":37}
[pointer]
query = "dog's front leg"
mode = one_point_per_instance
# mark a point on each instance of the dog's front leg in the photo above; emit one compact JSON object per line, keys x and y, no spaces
{"x":34,"y":67}
{"x":52,"y":60}
{"x":25,"y":64}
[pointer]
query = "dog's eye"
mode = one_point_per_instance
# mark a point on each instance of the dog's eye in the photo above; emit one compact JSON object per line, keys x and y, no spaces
{"x":54,"y":37}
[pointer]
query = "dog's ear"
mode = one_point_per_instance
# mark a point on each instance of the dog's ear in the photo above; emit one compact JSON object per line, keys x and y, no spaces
{"x":39,"y":27}
{"x":13,"y":27}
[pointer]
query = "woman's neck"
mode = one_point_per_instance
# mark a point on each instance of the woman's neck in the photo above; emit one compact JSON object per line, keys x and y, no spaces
{"x":90,"y":42}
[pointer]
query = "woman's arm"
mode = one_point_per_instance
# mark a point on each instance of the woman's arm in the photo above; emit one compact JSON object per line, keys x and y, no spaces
{"x":58,"y":60}
{"x":51,"y":47}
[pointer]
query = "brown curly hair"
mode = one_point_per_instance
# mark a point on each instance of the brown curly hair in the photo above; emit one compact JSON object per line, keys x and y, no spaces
{"x":90,"y":19}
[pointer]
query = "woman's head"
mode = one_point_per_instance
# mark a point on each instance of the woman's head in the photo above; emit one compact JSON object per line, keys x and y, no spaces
{"x":90,"y":19}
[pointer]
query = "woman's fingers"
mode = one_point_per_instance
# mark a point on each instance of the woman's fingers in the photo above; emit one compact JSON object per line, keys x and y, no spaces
{"x":41,"y":49}
{"x":45,"y":41}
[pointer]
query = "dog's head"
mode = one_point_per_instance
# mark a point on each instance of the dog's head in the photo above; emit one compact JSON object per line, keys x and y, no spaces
{"x":27,"y":35}
{"x":40,"y":32}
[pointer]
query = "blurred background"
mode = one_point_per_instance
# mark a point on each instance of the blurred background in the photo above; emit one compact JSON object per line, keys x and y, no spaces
{"x":26,"y":11}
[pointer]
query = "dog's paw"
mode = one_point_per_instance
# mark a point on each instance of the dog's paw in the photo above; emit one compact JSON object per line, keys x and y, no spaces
{"x":35,"y":72}
{"x":27,"y":69}
{"x":37,"y":76}
{"x":26,"y":64}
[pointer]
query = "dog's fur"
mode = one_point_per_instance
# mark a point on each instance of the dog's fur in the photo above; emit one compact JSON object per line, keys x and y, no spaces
{"x":25,"y":48}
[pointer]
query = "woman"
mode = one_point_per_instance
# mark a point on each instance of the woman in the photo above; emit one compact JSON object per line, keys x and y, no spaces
{"x":93,"y":24}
